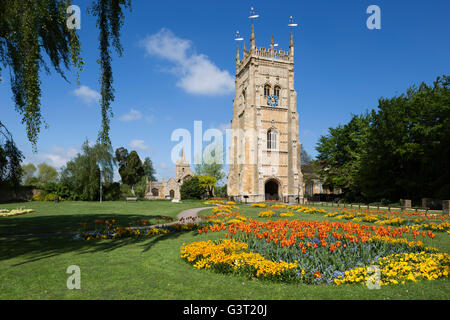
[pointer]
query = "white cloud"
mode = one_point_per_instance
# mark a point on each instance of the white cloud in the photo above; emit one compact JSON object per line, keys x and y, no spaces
{"x":131,"y":116}
{"x":56,"y":157}
{"x":197,"y":73}
{"x":139,"y":144}
{"x":87,"y":94}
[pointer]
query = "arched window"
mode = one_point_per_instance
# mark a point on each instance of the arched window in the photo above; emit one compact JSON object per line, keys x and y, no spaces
{"x":244,"y":97}
{"x":271,"y":139}
{"x":155,"y":192}
{"x":266,"y":90}
{"x":276,"y":91}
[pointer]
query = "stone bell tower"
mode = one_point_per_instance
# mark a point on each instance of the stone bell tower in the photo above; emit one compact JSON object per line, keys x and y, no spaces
{"x":265,"y":147}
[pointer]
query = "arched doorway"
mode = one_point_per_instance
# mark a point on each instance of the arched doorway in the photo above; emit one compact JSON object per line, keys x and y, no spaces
{"x":271,"y":190}
{"x":172,"y":194}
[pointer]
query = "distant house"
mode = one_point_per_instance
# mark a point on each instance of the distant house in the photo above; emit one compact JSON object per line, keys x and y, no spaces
{"x":312,"y":183}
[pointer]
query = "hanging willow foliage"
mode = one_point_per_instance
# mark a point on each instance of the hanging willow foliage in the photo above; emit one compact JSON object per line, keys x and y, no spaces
{"x":109,"y":20}
{"x":30,"y":27}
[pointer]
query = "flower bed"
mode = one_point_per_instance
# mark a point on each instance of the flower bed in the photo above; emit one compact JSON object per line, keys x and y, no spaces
{"x":229,"y":256}
{"x":323,"y":251}
{"x":399,"y":268}
{"x":14,"y":212}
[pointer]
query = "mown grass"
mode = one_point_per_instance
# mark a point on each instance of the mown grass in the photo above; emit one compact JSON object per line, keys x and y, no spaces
{"x":151,"y":268}
{"x":66,"y":216}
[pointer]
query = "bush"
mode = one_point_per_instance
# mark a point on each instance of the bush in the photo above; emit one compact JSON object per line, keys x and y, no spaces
{"x":125,"y":191}
{"x":44,"y":196}
{"x":221,"y":191}
{"x":191,"y":189}
{"x":111,"y":191}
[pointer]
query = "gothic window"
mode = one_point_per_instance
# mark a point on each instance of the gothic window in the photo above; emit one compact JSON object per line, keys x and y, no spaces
{"x":271,"y":139}
{"x":244,"y":97}
{"x":276,"y":91}
{"x":266,"y":90}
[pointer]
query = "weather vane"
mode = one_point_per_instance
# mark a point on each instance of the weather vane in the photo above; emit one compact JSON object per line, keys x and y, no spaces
{"x":253,"y":15}
{"x":292,"y":24}
{"x":238,"y":36}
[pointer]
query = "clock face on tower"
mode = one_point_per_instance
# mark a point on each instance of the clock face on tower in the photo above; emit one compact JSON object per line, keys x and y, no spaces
{"x":272,"y":100}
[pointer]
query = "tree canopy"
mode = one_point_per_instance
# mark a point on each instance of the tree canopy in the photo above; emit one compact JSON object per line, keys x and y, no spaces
{"x":31,"y":31}
{"x":401,"y":150}
{"x":130,"y":167}
{"x":10,"y":159}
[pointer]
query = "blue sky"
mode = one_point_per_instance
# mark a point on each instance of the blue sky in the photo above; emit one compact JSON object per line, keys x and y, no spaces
{"x":341,"y":68}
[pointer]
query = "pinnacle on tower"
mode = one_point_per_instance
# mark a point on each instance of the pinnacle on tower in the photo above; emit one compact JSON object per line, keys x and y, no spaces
{"x":291,"y":46}
{"x":272,"y":43}
{"x":252,"y":39}
{"x":245,"y":49}
{"x":238,"y":59}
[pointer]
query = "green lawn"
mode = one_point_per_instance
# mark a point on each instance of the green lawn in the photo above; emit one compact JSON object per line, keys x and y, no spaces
{"x":147,"y":268}
{"x":66,"y":216}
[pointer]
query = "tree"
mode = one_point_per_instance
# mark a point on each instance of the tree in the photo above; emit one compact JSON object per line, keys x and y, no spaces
{"x":30,"y":28}
{"x":210,"y":169}
{"x":409,"y":150}
{"x":191,"y":189}
{"x":10,"y":159}
{"x":28,"y":177}
{"x":221,"y":191}
{"x":340,"y":153}
{"x":46,"y":174}
{"x":401,"y":150}
{"x":132,"y":171}
{"x":81,"y":176}
{"x":305,"y":157}
{"x":149,"y":171}
{"x":208,"y":183}
{"x":121,"y":156}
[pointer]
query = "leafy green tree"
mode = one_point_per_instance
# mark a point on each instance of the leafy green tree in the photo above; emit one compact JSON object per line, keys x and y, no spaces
{"x":400,"y":150}
{"x":192,"y":189}
{"x":132,"y":172}
{"x":82,"y":174}
{"x":28,"y":174}
{"x":31,"y":29}
{"x":221,"y":191}
{"x":149,"y":171}
{"x":210,"y":169}
{"x":46,"y":174}
{"x":121,"y":156}
{"x":10,"y":159}
{"x":339,"y":154}
{"x":208,"y":183}
{"x":409,"y":150}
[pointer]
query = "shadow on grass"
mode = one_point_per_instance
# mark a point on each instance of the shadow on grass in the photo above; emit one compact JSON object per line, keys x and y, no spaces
{"x":34,"y":248}
{"x":23,"y":225}
{"x":38,"y":248}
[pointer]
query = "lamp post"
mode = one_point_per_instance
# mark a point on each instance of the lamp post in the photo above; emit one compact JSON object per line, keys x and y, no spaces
{"x":101,"y":186}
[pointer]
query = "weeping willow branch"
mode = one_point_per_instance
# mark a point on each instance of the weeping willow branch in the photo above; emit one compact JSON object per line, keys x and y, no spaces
{"x":109,"y":20}
{"x":28,"y":28}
